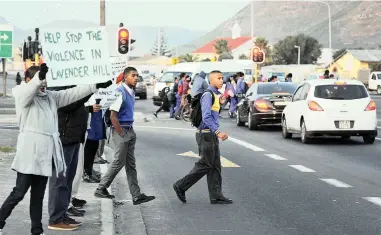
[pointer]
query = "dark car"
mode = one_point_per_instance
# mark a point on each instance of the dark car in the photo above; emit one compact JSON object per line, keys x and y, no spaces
{"x":141,"y":88}
{"x":264,"y":103}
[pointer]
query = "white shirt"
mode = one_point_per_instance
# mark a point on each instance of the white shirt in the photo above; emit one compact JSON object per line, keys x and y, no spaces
{"x":118,"y":102}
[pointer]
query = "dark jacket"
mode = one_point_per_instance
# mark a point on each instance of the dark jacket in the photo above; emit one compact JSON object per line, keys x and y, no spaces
{"x":72,"y":121}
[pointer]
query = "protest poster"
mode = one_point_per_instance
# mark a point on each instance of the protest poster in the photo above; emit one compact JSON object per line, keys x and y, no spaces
{"x":76,"y":56}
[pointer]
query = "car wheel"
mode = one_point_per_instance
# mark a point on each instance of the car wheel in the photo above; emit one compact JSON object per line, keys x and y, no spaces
{"x":285,"y":133}
{"x":379,"y":90}
{"x":304,"y":134}
{"x":143,"y":97}
{"x":238,"y":119}
{"x":252,"y":123}
{"x":369,"y":139}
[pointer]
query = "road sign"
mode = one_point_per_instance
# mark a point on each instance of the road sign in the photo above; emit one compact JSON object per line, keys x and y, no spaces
{"x":6,"y":41}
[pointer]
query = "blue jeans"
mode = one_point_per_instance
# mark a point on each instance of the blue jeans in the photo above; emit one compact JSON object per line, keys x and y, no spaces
{"x":60,"y":188}
{"x":178,"y":102}
{"x":172,"y":108}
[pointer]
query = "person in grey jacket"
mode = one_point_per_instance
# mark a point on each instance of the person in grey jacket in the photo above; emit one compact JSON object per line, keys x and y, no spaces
{"x":199,"y":84}
{"x":39,"y":148}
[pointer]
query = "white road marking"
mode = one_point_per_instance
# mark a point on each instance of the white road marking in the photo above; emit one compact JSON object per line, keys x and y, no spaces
{"x":378,"y":138}
{"x":336,"y":183}
{"x":375,"y":200}
{"x":302,"y":168}
{"x":276,"y":157}
{"x":378,"y":127}
{"x":246,"y":145}
{"x":224,"y":162}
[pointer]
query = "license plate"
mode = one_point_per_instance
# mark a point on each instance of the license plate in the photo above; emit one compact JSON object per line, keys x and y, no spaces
{"x":281,"y":103}
{"x":344,"y":124}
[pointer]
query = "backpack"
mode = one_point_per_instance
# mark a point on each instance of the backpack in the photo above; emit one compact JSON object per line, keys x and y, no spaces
{"x":196,"y":113}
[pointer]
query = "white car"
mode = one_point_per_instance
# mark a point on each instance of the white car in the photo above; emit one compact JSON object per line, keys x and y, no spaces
{"x":330,"y":107}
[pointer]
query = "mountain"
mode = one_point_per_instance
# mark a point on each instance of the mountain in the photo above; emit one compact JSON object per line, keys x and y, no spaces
{"x":354,"y":23}
{"x":144,"y":36}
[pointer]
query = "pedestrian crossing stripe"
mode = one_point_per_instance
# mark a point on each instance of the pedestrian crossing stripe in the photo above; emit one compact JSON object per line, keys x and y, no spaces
{"x":224,"y":162}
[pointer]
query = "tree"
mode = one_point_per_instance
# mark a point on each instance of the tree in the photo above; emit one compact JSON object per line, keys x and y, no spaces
{"x":286,"y":53}
{"x":243,"y":57}
{"x":263,"y":44}
{"x":221,"y":46}
{"x":164,"y":51}
{"x":225,"y":56}
{"x":189,"y":58}
{"x":205,"y":60}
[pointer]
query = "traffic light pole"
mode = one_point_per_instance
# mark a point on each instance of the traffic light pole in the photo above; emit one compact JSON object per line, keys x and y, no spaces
{"x":4,"y":78}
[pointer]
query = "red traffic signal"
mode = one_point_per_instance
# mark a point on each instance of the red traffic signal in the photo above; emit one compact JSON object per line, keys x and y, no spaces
{"x":123,"y":41}
{"x":258,"y":56}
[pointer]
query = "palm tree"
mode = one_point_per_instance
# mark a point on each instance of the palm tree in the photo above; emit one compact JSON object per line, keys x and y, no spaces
{"x":221,"y":46}
{"x":263,"y":44}
{"x":189,"y":58}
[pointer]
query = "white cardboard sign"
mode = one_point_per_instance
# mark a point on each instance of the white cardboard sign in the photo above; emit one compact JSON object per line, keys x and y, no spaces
{"x":76,"y":56}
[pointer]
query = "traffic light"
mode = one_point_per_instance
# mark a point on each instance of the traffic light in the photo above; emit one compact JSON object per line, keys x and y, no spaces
{"x":123,"y":41}
{"x":258,"y":56}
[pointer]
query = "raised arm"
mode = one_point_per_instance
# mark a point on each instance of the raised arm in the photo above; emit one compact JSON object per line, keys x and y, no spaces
{"x":25,"y":92}
{"x":69,"y":96}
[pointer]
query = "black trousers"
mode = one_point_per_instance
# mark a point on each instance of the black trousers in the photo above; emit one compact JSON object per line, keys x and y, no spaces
{"x":163,"y":104}
{"x":37,"y":184}
{"x":90,"y":150}
{"x":209,"y":164}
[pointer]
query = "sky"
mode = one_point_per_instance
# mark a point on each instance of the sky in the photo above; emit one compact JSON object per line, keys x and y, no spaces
{"x":200,"y":15}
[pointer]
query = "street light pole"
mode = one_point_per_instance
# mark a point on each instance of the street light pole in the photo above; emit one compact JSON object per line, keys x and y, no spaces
{"x":329,"y":22}
{"x":252,"y":20}
{"x":298,"y":54}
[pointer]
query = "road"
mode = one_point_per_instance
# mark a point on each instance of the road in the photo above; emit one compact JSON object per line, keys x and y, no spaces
{"x":279,"y":187}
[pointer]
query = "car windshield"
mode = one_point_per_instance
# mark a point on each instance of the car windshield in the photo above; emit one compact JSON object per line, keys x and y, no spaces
{"x":341,"y":92}
{"x":140,"y":78}
{"x":170,"y":76}
{"x":271,"y":88}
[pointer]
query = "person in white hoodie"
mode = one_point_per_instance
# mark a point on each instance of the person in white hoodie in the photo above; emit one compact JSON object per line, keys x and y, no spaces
{"x":39,"y":148}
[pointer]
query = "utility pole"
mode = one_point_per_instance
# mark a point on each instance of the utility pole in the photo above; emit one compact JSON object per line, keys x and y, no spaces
{"x":159,"y":43}
{"x":103,"y":13}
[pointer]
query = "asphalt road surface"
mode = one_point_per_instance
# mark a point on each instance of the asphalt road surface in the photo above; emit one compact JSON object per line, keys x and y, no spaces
{"x":279,"y":187}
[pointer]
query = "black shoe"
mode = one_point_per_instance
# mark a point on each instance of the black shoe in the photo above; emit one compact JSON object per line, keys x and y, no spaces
{"x":96,"y":173}
{"x":75,"y":212}
{"x":221,"y":200}
{"x":142,"y":198}
{"x":155,"y":114}
{"x":101,"y":161}
{"x":90,"y":179}
{"x":103,"y":193}
{"x":71,"y":221}
{"x":180,"y":193}
{"x":78,"y":203}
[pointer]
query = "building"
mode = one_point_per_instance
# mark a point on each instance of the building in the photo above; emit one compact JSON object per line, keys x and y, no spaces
{"x":239,"y":46}
{"x":351,"y":61}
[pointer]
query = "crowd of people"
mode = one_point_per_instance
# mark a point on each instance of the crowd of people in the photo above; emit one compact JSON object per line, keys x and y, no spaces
{"x":184,"y":89}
